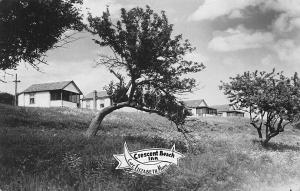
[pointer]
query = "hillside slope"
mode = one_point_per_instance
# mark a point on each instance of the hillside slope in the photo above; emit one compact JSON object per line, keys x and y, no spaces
{"x":43,"y":149}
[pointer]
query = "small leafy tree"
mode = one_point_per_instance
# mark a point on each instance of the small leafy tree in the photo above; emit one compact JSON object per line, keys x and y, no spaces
{"x":272,"y":100}
{"x":29,"y":28}
{"x":147,"y":61}
{"x":6,"y":98}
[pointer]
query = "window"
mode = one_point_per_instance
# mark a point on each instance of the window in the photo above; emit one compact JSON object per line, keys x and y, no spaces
{"x":31,"y":98}
{"x":101,"y":105}
{"x":66,"y":95}
{"x":75,"y":98}
{"x":55,"y":95}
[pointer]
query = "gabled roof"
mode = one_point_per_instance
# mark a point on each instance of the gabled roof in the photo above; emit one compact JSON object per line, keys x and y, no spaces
{"x":100,"y":94}
{"x":226,"y":108}
{"x":49,"y":86}
{"x":195,"y":103}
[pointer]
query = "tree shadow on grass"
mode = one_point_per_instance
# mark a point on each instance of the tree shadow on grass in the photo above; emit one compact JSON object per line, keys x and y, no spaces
{"x":279,"y":146}
{"x":157,"y":142}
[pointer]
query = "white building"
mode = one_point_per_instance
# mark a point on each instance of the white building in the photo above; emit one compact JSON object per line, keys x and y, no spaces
{"x":200,"y":108}
{"x":56,"y":94}
{"x":96,"y":100}
{"x":228,"y":111}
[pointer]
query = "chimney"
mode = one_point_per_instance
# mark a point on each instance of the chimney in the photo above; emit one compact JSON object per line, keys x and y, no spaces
{"x":95,"y":99}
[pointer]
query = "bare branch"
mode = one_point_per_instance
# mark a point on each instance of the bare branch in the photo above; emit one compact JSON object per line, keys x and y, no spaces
{"x":148,"y":110}
{"x":3,"y":78}
{"x":118,"y":75}
{"x":3,"y":81}
{"x":109,"y":61}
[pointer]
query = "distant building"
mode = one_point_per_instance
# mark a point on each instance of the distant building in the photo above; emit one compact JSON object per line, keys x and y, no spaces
{"x":200,"y":108}
{"x":228,"y":111}
{"x":56,"y":94}
{"x":96,"y":100}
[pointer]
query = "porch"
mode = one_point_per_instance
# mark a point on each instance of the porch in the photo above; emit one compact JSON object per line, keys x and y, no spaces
{"x":64,"y":98}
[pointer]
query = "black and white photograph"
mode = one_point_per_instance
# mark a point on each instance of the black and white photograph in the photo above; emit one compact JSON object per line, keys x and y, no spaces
{"x":149,"y":95}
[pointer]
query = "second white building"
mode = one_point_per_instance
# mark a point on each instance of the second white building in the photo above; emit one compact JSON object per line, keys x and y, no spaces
{"x":96,"y":100}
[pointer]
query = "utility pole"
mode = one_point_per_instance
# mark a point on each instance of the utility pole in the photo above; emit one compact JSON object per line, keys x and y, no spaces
{"x":16,"y":89}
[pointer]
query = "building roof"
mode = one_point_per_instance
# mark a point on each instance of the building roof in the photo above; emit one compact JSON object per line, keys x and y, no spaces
{"x":226,"y":108}
{"x":195,"y":103}
{"x":100,"y":94}
{"x":234,"y":111}
{"x":49,"y":86}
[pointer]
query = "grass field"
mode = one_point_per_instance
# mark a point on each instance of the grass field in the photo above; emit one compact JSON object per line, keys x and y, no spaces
{"x":43,"y":149}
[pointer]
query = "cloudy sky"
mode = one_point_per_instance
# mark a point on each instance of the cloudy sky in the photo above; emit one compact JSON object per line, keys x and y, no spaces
{"x":231,"y":36}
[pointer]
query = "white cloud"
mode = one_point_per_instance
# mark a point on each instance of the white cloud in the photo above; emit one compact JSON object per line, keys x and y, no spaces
{"x":288,"y":51}
{"x":288,"y":20}
{"x":296,"y":22}
{"x":286,"y":23}
{"x":292,"y":7}
{"x":281,"y":24}
{"x":240,"y":39}
{"x":212,"y":9}
{"x":235,"y":14}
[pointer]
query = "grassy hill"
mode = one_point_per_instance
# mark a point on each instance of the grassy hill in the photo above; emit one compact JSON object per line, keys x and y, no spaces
{"x":43,"y":149}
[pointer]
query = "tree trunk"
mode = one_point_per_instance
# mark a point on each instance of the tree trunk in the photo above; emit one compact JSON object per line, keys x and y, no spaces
{"x":270,"y":135}
{"x":267,"y":131}
{"x":266,"y":141}
{"x":258,"y":128}
{"x":96,"y":122}
{"x":259,"y":133}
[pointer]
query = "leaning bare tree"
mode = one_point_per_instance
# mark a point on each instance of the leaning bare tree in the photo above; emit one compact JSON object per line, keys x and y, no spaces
{"x":272,"y":100}
{"x":29,"y":28}
{"x":147,"y":61}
